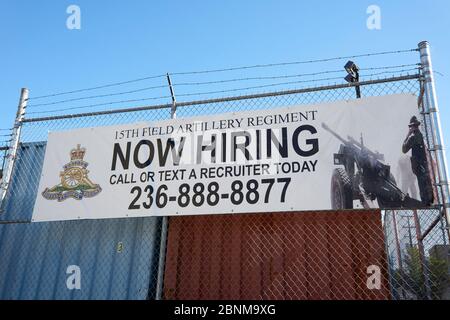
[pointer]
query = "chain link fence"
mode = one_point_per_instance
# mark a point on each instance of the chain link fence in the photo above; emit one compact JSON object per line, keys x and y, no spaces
{"x":282,"y":256}
{"x":3,"y":152}
{"x":314,"y":256}
{"x":417,"y":244}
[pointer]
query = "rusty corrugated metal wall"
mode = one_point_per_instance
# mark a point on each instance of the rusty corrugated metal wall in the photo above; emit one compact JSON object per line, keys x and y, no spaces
{"x":321,"y":255}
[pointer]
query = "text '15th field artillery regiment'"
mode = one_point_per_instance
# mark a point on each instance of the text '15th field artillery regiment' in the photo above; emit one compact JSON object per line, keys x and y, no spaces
{"x":75,"y":182}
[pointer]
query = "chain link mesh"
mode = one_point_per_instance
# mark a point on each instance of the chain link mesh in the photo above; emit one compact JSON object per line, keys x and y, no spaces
{"x":289,"y":256}
{"x":2,"y":162}
{"x":283,"y":256}
{"x":417,"y":243}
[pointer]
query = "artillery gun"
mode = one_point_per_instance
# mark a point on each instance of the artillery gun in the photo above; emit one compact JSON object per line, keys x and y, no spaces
{"x":364,"y":176}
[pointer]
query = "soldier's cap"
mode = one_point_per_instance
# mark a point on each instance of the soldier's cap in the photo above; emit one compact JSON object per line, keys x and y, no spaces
{"x":414,"y":122}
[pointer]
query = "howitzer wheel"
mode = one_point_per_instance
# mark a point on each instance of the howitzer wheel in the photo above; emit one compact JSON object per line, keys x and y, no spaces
{"x":341,"y":190}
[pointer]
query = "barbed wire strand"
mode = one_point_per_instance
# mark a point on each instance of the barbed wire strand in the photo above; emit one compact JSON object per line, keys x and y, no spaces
{"x":223,"y":70}
{"x":97,"y":96}
{"x":294,"y":62}
{"x":211,"y":82}
{"x":287,"y":76}
{"x":209,"y":92}
{"x":98,"y":87}
{"x":6,"y":142}
{"x":391,"y":67}
{"x":100,"y":104}
{"x":281,"y":83}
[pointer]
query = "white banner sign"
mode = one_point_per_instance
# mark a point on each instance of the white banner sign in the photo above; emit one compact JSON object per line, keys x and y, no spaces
{"x":338,"y":155}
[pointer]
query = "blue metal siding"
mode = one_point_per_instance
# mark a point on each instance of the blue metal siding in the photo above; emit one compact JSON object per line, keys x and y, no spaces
{"x":23,"y":189}
{"x":34,"y":256}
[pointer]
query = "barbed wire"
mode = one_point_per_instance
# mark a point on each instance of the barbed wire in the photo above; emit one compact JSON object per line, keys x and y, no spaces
{"x":98,"y":87}
{"x":6,"y":129}
{"x":215,"y":92}
{"x":214,"y":82}
{"x":254,"y":87}
{"x":5,"y":143}
{"x":288,"y":76}
{"x":96,"y":96}
{"x":222,"y":70}
{"x":207,"y":82}
{"x":391,"y":67}
{"x":99,"y":104}
{"x":294,"y":62}
{"x":281,"y":83}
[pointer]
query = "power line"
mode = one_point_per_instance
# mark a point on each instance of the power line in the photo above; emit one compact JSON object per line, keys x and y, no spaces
{"x":97,"y":96}
{"x":99,"y":104}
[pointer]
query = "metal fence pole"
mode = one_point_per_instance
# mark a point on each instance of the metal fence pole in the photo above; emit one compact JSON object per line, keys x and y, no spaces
{"x":5,"y":151}
{"x":173,"y":111}
{"x":422,"y":255}
{"x":431,"y":109}
{"x":165,"y":220}
{"x":14,"y":146}
{"x":399,"y":252}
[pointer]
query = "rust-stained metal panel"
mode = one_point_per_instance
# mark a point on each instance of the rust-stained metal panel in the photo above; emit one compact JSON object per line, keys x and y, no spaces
{"x":312,"y":255}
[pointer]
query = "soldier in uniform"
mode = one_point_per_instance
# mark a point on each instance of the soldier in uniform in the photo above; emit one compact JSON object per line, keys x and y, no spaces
{"x":419,"y":164}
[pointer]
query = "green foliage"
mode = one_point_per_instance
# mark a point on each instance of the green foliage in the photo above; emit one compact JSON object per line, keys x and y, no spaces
{"x":414,"y":272}
{"x":439,"y":276}
{"x":410,"y":281}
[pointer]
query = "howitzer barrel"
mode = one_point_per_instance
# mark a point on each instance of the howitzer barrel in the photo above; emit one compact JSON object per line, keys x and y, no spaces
{"x":327,"y":128}
{"x":374,"y":154}
{"x":355,"y":145}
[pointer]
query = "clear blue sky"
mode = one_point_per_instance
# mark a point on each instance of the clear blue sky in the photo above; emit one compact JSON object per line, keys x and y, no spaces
{"x":122,"y":40}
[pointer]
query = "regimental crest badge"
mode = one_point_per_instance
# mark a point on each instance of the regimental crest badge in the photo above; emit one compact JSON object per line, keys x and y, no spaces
{"x":75,"y":182}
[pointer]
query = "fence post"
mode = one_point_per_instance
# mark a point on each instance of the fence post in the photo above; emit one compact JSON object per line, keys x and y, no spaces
{"x":431,"y":109}
{"x":399,"y":252}
{"x":165,"y":220}
{"x":173,"y":111}
{"x":14,"y":146}
{"x":422,"y":255}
